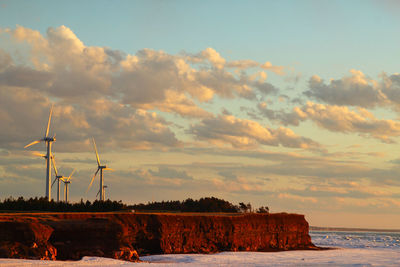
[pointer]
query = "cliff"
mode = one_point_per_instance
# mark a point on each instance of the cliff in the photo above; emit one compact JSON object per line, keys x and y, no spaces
{"x":70,"y":236}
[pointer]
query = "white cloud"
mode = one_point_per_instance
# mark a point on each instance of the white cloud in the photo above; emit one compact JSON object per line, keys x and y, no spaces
{"x":240,"y":133}
{"x":339,"y":119}
{"x":353,"y":90}
{"x":64,"y":67}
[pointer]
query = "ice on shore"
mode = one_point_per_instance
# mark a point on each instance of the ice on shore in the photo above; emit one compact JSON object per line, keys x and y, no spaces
{"x":354,"y":249}
{"x":339,"y":257}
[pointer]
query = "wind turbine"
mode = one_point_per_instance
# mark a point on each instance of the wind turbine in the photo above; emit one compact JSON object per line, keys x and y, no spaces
{"x":104,"y":191}
{"x":58,"y":177}
{"x":48,"y":139}
{"x":67,"y":181}
{"x":99,"y":168}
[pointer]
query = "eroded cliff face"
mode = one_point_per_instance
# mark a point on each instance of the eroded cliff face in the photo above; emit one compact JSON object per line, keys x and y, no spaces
{"x":29,"y":239}
{"x":70,"y":236}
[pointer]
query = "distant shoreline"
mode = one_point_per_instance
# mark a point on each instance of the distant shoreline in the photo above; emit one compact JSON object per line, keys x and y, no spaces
{"x":344,"y":229}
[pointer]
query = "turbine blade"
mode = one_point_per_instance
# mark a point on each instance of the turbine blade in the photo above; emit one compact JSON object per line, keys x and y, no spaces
{"x":69,"y":177}
{"x":33,"y":143}
{"x":38,"y":154}
{"x":53,"y":182}
{"x":109,"y":169}
{"x":48,"y":123}
{"x":97,"y":154}
{"x":54,"y":165}
{"x":91,"y":182}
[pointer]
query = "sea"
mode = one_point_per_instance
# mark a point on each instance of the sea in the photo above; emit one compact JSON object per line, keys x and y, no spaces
{"x":350,"y":248}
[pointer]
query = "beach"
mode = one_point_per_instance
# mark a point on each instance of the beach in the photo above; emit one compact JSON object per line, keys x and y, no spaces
{"x":350,"y":249}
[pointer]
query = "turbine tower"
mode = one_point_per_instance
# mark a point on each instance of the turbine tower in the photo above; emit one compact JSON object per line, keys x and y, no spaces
{"x":67,"y":181}
{"x":58,"y":177}
{"x":99,"y":168}
{"x":104,"y":191}
{"x":48,"y":139}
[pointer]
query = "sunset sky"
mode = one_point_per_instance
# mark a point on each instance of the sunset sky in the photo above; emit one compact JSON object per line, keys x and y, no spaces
{"x":290,"y":104}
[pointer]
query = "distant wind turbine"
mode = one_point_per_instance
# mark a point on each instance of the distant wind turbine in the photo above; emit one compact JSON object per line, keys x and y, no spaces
{"x":67,"y":181}
{"x":99,"y":168}
{"x":48,"y":139}
{"x":58,"y":178}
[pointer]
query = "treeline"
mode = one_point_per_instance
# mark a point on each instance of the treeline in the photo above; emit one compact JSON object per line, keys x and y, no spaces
{"x":41,"y":204}
{"x":207,"y":204}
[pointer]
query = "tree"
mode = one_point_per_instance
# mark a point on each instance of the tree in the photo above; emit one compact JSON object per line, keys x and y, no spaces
{"x":248,"y":205}
{"x":245,"y":207}
{"x":263,"y":209}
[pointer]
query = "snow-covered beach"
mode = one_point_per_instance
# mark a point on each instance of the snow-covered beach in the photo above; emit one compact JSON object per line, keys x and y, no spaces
{"x":353,"y":249}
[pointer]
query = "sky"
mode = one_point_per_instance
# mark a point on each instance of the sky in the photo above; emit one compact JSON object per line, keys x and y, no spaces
{"x":292,"y":105}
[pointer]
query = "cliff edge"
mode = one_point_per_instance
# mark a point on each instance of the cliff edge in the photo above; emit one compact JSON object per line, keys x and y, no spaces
{"x":70,"y":236}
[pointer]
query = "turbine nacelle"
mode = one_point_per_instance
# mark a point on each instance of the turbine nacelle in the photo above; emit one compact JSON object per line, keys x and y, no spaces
{"x":49,"y":139}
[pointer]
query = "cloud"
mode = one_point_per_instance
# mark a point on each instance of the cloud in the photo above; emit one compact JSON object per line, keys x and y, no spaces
{"x":5,"y":60}
{"x":62,"y":66}
{"x":313,"y":169}
{"x":243,"y":64}
{"x":98,"y":91}
{"x":296,"y":198}
{"x":152,"y":78}
{"x":166,"y":172}
{"x":25,"y":77}
{"x":353,"y":90}
{"x":239,"y":185}
{"x":276,"y":69}
{"x":241,"y":133}
{"x":339,"y":119}
{"x":391,"y":88}
{"x":213,"y":57}
{"x":228,"y":175}
{"x":165,"y":177}
{"x":113,"y":124}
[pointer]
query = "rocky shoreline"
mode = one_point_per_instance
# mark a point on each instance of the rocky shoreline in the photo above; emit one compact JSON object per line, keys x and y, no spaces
{"x":126,"y":236}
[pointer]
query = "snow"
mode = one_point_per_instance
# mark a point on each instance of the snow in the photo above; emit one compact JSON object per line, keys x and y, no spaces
{"x":338,"y":257}
{"x":354,"y":249}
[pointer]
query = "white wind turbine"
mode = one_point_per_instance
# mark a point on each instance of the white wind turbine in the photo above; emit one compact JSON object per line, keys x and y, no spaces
{"x":99,"y":168}
{"x":57,"y":178}
{"x":48,"y":139}
{"x":62,"y":178}
{"x":67,"y":181}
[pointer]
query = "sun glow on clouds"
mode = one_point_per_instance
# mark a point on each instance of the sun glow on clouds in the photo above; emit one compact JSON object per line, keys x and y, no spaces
{"x":173,"y":125}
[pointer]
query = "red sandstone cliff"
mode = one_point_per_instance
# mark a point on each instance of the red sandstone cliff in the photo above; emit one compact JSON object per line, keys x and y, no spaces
{"x":121,"y":235}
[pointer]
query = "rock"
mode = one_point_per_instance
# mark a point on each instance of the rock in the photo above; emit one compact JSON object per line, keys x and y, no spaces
{"x":27,"y":240}
{"x":125,"y":236}
{"x":155,"y":234}
{"x":100,"y":237}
